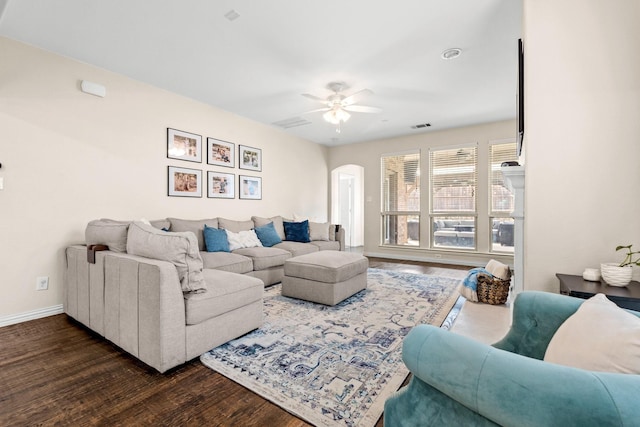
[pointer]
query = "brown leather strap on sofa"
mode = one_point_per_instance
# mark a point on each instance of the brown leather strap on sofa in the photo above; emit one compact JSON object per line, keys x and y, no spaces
{"x":91,"y":252}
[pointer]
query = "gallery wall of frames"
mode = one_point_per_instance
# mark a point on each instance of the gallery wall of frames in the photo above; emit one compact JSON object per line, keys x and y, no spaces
{"x":220,"y":183}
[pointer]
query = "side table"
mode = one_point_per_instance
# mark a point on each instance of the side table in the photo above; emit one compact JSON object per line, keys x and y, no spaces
{"x":626,"y":297}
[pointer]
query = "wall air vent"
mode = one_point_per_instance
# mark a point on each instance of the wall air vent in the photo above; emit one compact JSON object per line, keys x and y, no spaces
{"x":420,"y":126}
{"x":292,"y":122}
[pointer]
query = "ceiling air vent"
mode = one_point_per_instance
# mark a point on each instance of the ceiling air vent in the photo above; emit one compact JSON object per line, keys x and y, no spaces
{"x":292,"y":122}
{"x":420,"y":126}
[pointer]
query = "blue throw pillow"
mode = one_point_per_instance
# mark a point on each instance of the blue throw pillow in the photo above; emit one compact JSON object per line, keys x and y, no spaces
{"x":297,"y":231}
{"x":268,"y":235}
{"x":215,"y":239}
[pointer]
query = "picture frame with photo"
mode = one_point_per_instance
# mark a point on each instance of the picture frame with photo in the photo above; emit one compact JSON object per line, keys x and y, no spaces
{"x":184,"y":182}
{"x":221,"y":153}
{"x":250,"y":158}
{"x":221,"y":185}
{"x":250,"y":187}
{"x":183,"y":145}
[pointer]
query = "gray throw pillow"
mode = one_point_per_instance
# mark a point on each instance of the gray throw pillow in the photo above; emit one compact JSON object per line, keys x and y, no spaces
{"x":180,"y":249}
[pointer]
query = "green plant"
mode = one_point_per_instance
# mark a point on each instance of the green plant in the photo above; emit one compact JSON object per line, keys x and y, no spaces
{"x":628,"y":260}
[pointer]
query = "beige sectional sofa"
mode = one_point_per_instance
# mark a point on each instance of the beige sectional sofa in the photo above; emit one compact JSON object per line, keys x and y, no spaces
{"x":159,"y":295}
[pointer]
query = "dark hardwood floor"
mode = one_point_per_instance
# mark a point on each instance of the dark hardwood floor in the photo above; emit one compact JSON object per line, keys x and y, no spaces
{"x":53,"y":371}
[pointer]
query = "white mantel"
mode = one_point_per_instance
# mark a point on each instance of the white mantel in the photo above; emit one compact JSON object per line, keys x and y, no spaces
{"x":514,"y":178}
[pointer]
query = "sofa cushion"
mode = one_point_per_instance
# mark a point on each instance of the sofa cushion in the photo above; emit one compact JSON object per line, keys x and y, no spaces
{"x":215,"y":239}
{"x":226,"y":261}
{"x":161,"y":224}
{"x":297,"y":248}
{"x":196,"y":226}
{"x":326,"y":246}
{"x":180,"y":249}
{"x":242,"y":239}
{"x":297,"y":231}
{"x":599,"y":336}
{"x":319,"y":231}
{"x":108,"y":232}
{"x":235,"y":226}
{"x":264,"y":258}
{"x":226,"y":292}
{"x":278,"y":224}
{"x":268,"y":235}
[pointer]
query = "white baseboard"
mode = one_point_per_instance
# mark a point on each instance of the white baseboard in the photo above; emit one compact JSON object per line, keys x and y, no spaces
{"x":31,"y":315}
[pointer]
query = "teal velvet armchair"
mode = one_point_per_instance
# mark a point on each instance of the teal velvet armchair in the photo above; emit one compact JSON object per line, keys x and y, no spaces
{"x":457,"y":381}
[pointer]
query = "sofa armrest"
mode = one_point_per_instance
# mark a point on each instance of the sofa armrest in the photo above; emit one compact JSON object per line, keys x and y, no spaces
{"x":510,"y":389}
{"x":536,"y":318}
{"x":145,"y":309}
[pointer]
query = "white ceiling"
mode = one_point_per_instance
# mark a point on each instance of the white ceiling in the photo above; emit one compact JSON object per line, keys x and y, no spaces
{"x":259,"y":64}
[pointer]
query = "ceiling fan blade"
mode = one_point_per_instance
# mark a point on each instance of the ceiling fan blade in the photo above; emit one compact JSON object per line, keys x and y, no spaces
{"x":362,"y":109}
{"x":352,"y":98}
{"x":316,"y":111}
{"x":315,"y":98}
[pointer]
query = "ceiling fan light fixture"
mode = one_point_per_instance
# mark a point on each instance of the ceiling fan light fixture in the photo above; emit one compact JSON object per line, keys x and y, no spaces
{"x":336,"y":116}
{"x":452,"y":53}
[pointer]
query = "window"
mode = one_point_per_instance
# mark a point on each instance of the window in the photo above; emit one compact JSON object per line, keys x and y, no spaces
{"x":401,"y":199}
{"x":501,"y":201}
{"x":453,"y":188}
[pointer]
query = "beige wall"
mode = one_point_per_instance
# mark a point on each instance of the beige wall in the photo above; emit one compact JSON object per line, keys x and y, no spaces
{"x":68,"y":157}
{"x":368,"y":156}
{"x":582,"y":135}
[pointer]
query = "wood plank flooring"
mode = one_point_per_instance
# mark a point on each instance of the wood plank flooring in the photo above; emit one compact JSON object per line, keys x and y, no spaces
{"x":53,"y":371}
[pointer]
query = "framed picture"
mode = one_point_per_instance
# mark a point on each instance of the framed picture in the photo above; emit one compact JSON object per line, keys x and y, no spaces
{"x":250,"y":158}
{"x":221,"y":185}
{"x":184,"y":146}
{"x":220,"y":153}
{"x":185,"y":182}
{"x":250,"y":187}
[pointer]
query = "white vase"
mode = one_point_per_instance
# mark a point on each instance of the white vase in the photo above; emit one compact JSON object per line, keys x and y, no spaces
{"x":614,"y":275}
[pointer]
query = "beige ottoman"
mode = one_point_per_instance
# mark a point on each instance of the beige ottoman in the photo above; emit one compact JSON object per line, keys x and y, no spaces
{"x":325,"y":277}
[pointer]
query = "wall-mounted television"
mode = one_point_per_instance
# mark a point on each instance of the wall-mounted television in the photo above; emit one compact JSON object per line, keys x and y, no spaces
{"x":520,"y":99}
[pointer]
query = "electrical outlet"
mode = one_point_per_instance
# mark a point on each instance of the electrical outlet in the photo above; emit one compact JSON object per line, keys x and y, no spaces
{"x":42,"y":283}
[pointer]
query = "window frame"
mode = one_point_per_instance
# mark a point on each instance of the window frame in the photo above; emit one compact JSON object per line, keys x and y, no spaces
{"x":463,"y":215}
{"x":384,"y":191}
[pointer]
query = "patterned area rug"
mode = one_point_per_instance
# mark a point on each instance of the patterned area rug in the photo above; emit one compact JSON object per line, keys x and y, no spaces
{"x":335,"y":366}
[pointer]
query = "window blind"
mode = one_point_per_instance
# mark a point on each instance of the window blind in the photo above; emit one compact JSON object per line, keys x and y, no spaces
{"x":453,"y":180}
{"x":400,"y":182}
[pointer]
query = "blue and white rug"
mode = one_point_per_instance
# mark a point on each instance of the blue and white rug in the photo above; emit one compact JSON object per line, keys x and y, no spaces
{"x":335,"y":366}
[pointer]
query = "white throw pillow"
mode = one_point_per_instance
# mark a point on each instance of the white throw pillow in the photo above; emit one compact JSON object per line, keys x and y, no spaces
{"x":319,"y":231}
{"x":243,"y":239}
{"x":599,"y":336}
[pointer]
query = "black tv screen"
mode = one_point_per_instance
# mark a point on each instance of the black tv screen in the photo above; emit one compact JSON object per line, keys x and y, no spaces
{"x":520,"y":99}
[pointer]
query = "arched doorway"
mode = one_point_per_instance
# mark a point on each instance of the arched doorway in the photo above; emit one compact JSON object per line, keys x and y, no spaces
{"x":347,"y":202}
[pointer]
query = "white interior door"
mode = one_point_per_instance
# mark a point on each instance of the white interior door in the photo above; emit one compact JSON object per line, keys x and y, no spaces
{"x":346,"y":200}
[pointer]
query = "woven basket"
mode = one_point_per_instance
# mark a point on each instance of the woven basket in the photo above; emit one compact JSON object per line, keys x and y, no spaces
{"x":492,"y":290}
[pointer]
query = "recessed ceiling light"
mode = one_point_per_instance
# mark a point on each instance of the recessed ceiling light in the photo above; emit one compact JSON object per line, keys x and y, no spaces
{"x":232,"y":15}
{"x":454,"y":52}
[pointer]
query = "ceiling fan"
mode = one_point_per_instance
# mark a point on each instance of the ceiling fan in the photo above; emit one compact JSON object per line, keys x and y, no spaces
{"x":338,"y":105}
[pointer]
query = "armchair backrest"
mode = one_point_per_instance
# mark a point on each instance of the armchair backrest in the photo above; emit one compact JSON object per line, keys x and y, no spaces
{"x":536,"y":317}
